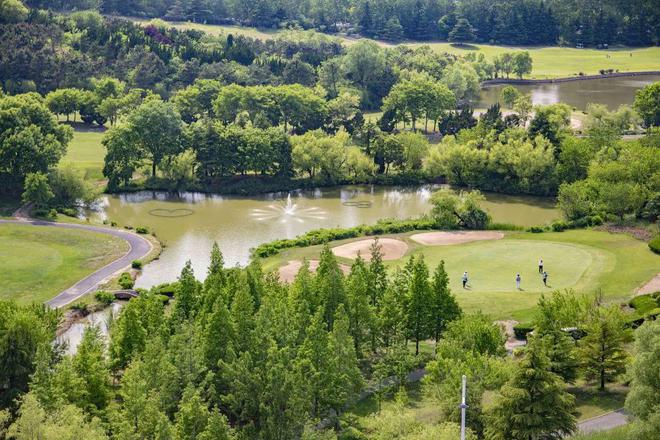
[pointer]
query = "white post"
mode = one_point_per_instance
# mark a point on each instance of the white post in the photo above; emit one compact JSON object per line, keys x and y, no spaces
{"x":463,"y":407}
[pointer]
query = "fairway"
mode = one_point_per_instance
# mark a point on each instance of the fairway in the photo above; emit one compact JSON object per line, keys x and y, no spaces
{"x":582,"y":260}
{"x":39,"y":262}
{"x":85,"y":153}
{"x":548,"y":62}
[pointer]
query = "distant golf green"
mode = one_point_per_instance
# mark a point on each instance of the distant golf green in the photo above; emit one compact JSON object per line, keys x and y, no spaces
{"x":86,"y":153}
{"x":582,"y":260}
{"x":40,"y":262}
{"x":549,"y":62}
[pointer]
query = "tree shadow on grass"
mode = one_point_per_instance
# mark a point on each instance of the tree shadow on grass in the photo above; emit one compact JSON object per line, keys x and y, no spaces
{"x":464,"y":46}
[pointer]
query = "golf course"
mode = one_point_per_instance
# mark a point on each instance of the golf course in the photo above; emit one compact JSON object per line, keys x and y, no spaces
{"x":582,"y":260}
{"x":39,"y":262}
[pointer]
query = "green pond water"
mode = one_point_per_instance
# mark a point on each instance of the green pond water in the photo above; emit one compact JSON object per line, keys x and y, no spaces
{"x":609,"y":91}
{"x":189,"y":223}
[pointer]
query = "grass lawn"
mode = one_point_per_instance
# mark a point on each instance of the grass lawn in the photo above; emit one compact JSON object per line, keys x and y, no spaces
{"x":39,"y":262}
{"x":590,"y":402}
{"x":85,"y":152}
{"x":548,"y":62}
{"x":365,"y":412}
{"x":583,"y":260}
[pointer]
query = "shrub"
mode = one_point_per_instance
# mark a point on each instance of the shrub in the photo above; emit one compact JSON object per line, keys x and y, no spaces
{"x":645,"y":303}
{"x":521,"y":331}
{"x":113,"y":224}
{"x":104,"y":297}
{"x":128,"y":227}
{"x":136,"y":264}
{"x":504,"y":227}
{"x":536,"y":229}
{"x":559,"y":226}
{"x":81,"y":307}
{"x":142,"y":230}
{"x":125,"y":281}
{"x":654,"y":244}
{"x":69,"y":212}
{"x":167,"y":289}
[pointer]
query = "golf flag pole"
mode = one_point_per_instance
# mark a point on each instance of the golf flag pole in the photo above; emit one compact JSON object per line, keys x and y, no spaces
{"x":463,"y":407}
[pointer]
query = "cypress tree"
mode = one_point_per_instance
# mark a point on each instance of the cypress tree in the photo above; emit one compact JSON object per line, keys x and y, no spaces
{"x":443,"y":305}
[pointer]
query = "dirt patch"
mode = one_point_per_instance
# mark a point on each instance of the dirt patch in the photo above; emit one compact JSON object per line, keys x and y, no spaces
{"x":637,"y":232}
{"x":443,"y":238}
{"x":391,"y":248}
{"x":288,"y":272}
{"x":650,"y":287}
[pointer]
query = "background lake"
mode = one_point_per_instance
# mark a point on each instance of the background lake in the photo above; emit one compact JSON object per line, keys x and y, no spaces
{"x":609,"y":91}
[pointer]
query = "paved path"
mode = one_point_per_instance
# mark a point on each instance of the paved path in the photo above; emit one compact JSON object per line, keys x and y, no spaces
{"x":138,"y":248}
{"x":604,"y":422}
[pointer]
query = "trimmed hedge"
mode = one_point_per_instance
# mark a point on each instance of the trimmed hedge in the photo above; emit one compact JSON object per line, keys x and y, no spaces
{"x":136,"y":264}
{"x":320,"y":236}
{"x":521,"y":331}
{"x":654,"y":244}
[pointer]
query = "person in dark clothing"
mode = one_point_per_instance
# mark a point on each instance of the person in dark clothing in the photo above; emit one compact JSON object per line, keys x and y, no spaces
{"x":545,"y":278}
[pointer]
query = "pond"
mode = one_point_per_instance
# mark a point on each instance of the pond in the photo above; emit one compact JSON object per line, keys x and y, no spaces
{"x":102,"y":319}
{"x":609,"y":91}
{"x":188,"y":223}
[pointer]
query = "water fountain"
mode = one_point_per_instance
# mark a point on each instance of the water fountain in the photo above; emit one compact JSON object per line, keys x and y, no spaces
{"x":287,"y":211}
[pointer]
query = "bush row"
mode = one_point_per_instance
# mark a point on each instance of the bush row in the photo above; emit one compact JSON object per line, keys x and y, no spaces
{"x":654,"y":244}
{"x":320,"y":236}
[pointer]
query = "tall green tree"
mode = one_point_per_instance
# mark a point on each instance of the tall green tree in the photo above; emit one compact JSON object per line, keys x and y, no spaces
{"x":643,"y":400}
{"x":533,"y":404}
{"x":418,"y":318}
{"x":602,"y":350}
{"x":442,"y":304}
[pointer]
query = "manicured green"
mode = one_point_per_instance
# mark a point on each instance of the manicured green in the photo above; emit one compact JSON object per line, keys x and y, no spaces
{"x":85,"y":152}
{"x":40,"y":262}
{"x":548,"y":62}
{"x":583,"y":260}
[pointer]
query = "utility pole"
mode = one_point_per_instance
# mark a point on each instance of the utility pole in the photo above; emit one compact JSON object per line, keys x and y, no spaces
{"x":463,"y":407}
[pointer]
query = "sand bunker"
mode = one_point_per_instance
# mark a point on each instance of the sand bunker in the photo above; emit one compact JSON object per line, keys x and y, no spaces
{"x":455,"y":237}
{"x":650,"y":287}
{"x":288,"y":273}
{"x":391,"y":248}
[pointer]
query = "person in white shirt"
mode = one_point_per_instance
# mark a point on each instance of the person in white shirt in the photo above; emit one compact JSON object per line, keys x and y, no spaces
{"x":518,"y":279}
{"x":465,"y":279}
{"x":541,"y":265}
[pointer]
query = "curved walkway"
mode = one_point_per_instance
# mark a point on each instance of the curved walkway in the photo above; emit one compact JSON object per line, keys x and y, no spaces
{"x":139,"y":247}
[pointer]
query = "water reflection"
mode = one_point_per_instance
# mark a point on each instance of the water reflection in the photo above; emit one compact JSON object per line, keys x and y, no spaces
{"x":102,"y":319}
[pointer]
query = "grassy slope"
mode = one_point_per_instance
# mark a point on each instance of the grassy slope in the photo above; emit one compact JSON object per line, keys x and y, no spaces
{"x":583,"y":260}
{"x":549,"y":62}
{"x":39,"y":262}
{"x":85,"y":152}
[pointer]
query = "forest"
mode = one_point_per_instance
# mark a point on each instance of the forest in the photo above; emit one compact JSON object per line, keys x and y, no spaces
{"x":242,"y":355}
{"x":508,"y":22}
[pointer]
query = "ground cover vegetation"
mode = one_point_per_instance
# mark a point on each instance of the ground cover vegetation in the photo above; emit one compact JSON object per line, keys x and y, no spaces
{"x":205,"y":366}
{"x":513,"y":22}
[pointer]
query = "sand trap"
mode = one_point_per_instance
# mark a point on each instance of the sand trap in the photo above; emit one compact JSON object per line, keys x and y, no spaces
{"x":455,"y":237}
{"x":288,"y":273}
{"x":391,"y":248}
{"x":650,"y":287}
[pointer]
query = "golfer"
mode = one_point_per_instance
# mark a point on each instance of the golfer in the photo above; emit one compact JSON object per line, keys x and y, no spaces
{"x":465,"y":279}
{"x":541,"y":265}
{"x":518,"y":281}
{"x":545,"y":278}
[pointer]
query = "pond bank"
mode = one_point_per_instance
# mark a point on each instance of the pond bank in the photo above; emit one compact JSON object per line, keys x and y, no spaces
{"x":517,"y":81}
